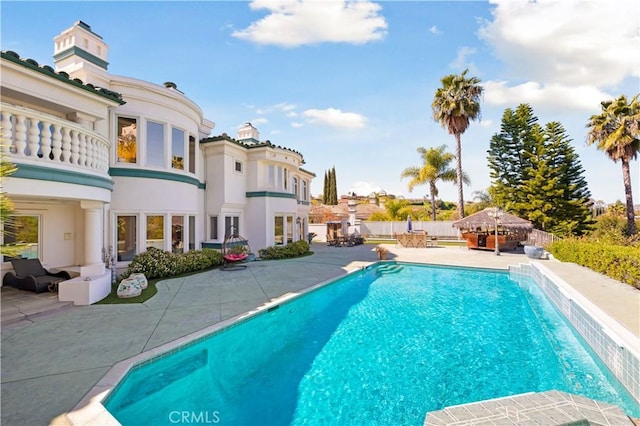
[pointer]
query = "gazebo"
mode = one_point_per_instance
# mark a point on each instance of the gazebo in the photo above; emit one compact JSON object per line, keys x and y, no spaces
{"x":479,"y":229}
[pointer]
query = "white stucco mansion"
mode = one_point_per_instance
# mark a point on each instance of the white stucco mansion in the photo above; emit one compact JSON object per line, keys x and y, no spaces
{"x":106,"y":161}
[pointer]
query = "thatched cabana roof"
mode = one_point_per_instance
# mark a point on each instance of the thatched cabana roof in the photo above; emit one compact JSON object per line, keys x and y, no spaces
{"x":484,"y":220}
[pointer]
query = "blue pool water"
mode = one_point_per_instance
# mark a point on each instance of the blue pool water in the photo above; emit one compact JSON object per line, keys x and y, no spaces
{"x":371,"y":348}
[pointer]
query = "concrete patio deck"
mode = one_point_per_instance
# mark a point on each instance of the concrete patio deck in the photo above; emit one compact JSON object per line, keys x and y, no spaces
{"x":50,"y":362}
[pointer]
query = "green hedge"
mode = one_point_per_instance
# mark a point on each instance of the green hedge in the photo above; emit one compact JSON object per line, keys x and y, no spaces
{"x":155,"y":263}
{"x":299,"y":248}
{"x":618,"y":262}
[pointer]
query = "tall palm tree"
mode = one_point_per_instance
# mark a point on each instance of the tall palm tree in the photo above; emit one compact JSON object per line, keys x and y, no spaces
{"x":454,"y":105}
{"x":435,"y":167}
{"x":616,"y":132}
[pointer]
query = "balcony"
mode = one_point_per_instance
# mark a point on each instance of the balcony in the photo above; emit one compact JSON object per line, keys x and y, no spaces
{"x":39,"y":139}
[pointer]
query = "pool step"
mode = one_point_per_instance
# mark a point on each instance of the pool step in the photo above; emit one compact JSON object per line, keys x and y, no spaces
{"x":389,"y":269}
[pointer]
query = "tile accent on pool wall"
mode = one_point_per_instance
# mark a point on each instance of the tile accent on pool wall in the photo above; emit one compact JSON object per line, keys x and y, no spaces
{"x":545,"y":408}
{"x":613,"y":344}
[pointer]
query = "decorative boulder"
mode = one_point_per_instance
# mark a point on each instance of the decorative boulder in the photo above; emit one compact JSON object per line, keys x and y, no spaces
{"x":142,"y":280}
{"x":533,"y":252}
{"x":129,"y":288}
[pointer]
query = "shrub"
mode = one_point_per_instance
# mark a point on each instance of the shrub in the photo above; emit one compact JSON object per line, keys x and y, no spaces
{"x":155,"y":263}
{"x":618,"y":262}
{"x":613,"y":230}
{"x":296,"y":249}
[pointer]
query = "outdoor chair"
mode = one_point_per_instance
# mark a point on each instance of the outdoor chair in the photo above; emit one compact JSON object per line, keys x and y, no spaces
{"x":30,"y":275}
{"x":235,"y":251}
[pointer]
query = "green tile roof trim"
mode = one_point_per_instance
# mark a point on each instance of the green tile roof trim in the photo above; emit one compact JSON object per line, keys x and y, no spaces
{"x":61,"y":76}
{"x":267,"y":143}
{"x":75,"y":50}
{"x":307,"y":171}
{"x":28,"y":171}
{"x":270,"y":194}
{"x":154,"y":174}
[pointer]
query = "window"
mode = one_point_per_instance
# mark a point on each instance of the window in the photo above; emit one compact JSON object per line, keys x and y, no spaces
{"x":289,"y":229}
{"x":279,"y":178}
{"x":127,"y":146}
{"x":304,"y":191}
{"x":21,"y":237}
{"x":155,"y":144}
{"x":177,"y":149}
{"x":192,"y":154}
{"x":126,"y":237}
{"x":295,"y":186}
{"x":213,"y":227}
{"x":272,"y":176}
{"x":155,"y":232}
{"x":278,"y":230}
{"x":192,"y":232}
{"x":238,"y":166}
{"x":177,"y":234}
{"x":231,"y":225}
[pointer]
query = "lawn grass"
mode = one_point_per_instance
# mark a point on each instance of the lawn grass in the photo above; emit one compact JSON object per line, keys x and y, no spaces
{"x":151,"y":290}
{"x":148,"y":293}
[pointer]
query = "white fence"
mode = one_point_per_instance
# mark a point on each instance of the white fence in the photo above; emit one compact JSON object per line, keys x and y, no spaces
{"x":541,"y":238}
{"x":441,"y":229}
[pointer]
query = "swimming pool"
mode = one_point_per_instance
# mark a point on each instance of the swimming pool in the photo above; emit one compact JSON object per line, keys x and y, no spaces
{"x":381,"y":346}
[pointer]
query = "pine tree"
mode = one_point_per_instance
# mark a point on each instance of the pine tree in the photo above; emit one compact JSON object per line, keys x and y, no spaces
{"x":508,"y":159}
{"x":325,"y":189}
{"x":334,"y":186}
{"x":572,"y":213}
{"x":536,"y":174}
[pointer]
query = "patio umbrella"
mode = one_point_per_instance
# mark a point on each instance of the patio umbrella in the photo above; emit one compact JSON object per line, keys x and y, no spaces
{"x":409,"y":227}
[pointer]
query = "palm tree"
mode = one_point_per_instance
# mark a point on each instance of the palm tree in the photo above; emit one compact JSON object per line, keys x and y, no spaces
{"x":454,"y":105}
{"x":616,"y":132}
{"x":482,"y":199}
{"x":435,"y":167}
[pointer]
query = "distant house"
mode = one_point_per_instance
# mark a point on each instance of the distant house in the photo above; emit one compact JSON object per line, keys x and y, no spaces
{"x":107,"y":162}
{"x":321,"y":213}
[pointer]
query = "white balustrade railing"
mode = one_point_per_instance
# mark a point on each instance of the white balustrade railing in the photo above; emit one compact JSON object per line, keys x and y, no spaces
{"x":36,"y":137}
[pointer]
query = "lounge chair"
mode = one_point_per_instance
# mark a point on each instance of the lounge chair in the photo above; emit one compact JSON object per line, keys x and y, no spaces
{"x":30,"y":275}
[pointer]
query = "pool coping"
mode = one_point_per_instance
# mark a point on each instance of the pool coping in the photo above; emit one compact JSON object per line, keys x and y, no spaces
{"x":616,"y":346}
{"x":90,"y":409}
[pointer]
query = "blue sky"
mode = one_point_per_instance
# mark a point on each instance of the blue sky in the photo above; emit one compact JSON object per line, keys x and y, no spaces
{"x":350,"y":84}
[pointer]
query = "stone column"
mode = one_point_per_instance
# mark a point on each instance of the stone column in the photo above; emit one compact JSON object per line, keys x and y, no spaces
{"x":93,"y":263}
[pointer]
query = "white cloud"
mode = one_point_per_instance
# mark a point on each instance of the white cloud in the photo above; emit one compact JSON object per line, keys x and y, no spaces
{"x":364,"y":188}
{"x":335,"y":118}
{"x":293,"y":23}
{"x":282,"y":106}
{"x":551,"y":96}
{"x":460,"y":62}
{"x":435,"y":30}
{"x":296,"y":124}
{"x":259,"y":120}
{"x":568,"y":42}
